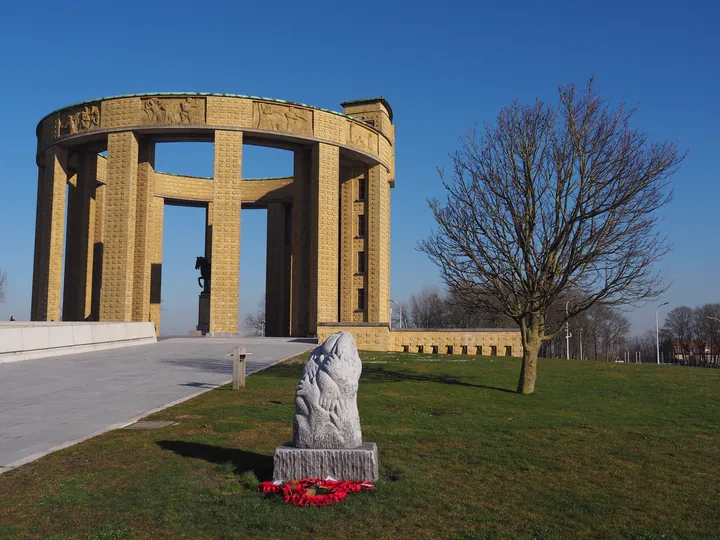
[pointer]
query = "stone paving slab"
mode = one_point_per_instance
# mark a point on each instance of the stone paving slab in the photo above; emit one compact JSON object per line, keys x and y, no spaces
{"x":51,"y":403}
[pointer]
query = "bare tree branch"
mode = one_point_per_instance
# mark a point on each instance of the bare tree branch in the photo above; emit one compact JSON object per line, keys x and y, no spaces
{"x":553,"y":204}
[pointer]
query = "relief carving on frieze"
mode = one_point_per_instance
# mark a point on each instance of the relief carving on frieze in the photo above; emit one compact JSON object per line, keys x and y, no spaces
{"x":188,"y":110}
{"x":363,"y":138}
{"x":283,"y":118}
{"x":77,"y":121}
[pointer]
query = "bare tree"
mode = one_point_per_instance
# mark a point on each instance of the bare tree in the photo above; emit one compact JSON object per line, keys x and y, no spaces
{"x":400,"y":315}
{"x":678,"y":325}
{"x":3,"y":284}
{"x":706,"y":328}
{"x":255,"y":322}
{"x":427,"y":308}
{"x":548,"y":201}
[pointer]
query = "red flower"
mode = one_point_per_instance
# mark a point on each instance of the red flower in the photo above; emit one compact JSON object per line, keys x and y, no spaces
{"x":296,"y":492}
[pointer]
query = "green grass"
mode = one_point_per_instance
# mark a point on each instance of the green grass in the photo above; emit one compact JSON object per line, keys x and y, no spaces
{"x":600,"y":450}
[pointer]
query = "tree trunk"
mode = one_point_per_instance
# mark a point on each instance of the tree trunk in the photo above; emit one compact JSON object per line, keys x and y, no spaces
{"x":528,"y":371}
{"x":531,"y":340}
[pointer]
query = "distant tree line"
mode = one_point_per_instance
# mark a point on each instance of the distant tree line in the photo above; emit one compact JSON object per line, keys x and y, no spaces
{"x":689,"y":336}
{"x":433,"y":308}
{"x":602,"y":332}
{"x":693,"y":335}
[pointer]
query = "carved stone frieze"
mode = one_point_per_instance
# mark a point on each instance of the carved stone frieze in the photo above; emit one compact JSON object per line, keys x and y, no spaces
{"x":171,"y":110}
{"x":77,"y":120}
{"x":363,"y":138}
{"x":285,"y":118}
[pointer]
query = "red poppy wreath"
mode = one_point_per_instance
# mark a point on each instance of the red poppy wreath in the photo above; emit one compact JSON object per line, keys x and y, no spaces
{"x":314,"y":491}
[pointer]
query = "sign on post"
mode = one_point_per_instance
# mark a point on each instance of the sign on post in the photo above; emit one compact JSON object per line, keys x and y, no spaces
{"x":239,"y":355}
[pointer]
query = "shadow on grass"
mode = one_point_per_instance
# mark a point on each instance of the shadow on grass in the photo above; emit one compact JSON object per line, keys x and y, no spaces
{"x":243,"y":461}
{"x":379,"y":374}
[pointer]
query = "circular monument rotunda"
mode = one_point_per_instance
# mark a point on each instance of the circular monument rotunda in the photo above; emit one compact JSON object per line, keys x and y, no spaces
{"x":328,"y":226}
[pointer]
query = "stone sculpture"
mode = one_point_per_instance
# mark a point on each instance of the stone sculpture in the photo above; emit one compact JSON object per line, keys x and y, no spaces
{"x":326,"y":413}
{"x":327,"y":440}
{"x":202,"y":264}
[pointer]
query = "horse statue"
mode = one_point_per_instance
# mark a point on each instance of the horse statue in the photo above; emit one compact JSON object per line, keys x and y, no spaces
{"x":202,"y":264}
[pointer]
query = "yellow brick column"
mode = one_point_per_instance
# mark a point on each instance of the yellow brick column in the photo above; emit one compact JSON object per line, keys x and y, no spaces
{"x":80,"y":239}
{"x":378,"y":295}
{"x":155,"y":254}
{"x":227,"y":195}
{"x":116,"y":297}
{"x":300,"y":246}
{"x":325,"y":235}
{"x":277,"y":271}
{"x":208,"y":232}
{"x":143,"y":230}
{"x":348,"y":257}
{"x":50,"y":230}
{"x":39,"y":205}
{"x":73,"y":226}
{"x":98,"y":249}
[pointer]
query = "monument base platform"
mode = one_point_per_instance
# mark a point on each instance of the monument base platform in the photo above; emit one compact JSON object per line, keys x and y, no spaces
{"x":41,"y":339}
{"x":361,"y":463}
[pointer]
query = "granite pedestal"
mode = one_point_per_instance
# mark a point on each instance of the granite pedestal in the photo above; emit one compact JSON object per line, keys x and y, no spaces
{"x":291,"y":463}
{"x":204,"y":313}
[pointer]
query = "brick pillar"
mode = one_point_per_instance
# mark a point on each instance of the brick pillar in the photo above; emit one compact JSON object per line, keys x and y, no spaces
{"x":227,"y":194}
{"x":324,"y":235}
{"x":378,"y":224}
{"x":277,"y":271}
{"x":98,"y":251}
{"x":116,"y":297}
{"x":50,"y":236}
{"x":38,"y":243}
{"x":300,"y":246}
{"x":80,"y":239}
{"x":208,"y":234}
{"x":144,"y":223}
{"x":348,"y":258}
{"x":156,"y":241}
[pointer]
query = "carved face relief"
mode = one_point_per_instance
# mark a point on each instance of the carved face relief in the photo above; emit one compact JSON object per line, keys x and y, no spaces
{"x":283,"y":118}
{"x":189,"y":110}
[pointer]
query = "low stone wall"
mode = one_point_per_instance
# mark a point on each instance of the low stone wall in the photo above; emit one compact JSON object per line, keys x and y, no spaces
{"x":368,"y":336}
{"x":472,"y":341}
{"x":30,"y":340}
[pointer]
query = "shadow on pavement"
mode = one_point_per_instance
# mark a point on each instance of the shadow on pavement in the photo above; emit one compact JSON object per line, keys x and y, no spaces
{"x":243,"y":461}
{"x":203,"y":364}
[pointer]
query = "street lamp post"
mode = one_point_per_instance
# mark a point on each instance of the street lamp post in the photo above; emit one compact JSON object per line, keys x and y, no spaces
{"x":581,"y":354}
{"x":657,"y":330}
{"x":567,"y":331}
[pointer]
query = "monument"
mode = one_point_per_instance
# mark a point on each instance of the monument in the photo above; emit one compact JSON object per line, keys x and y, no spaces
{"x":327,"y":439}
{"x":328,"y":224}
{"x":100,"y":210}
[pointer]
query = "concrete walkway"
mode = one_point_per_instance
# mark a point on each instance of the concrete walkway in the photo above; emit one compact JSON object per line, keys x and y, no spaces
{"x":51,"y":403}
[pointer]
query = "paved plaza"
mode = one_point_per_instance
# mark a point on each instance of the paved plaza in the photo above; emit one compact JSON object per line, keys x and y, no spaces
{"x":47,"y":404}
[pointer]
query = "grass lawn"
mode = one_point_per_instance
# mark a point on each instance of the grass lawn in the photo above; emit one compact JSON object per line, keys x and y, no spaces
{"x":600,"y":450}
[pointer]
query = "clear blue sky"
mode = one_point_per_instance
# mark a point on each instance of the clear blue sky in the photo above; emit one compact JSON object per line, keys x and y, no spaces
{"x":443,"y":66}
